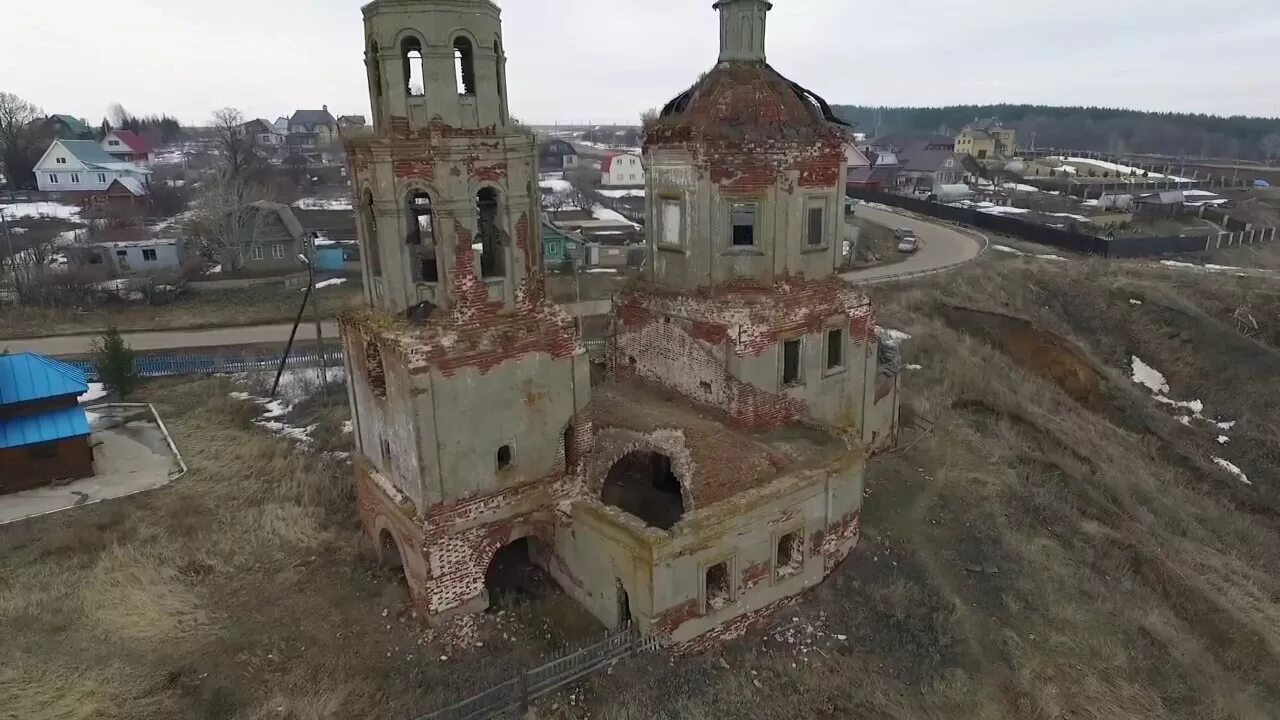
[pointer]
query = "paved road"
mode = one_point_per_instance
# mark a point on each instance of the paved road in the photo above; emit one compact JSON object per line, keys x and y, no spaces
{"x":266,"y":335}
{"x":941,"y":247}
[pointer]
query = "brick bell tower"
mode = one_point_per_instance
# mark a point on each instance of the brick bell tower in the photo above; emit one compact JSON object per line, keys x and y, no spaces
{"x":468,"y":388}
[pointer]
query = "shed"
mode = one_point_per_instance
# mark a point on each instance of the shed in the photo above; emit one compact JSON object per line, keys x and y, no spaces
{"x":44,"y":433}
{"x":559,"y":246}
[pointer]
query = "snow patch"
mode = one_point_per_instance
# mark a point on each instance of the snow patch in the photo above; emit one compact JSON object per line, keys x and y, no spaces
{"x":324,"y":204}
{"x":40,"y":210}
{"x":330,"y":283}
{"x":97,"y":391}
{"x":1231,"y":468}
{"x":915,"y":367}
{"x":1134,"y":302}
{"x":1149,"y":377}
{"x":1223,"y":440}
{"x":1007,"y":249}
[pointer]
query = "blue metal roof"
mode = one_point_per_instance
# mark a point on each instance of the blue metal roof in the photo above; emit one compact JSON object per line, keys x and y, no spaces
{"x":45,"y":427}
{"x":27,"y":376}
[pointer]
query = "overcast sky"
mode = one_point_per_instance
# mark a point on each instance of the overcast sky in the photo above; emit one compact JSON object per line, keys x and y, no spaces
{"x":606,"y":60}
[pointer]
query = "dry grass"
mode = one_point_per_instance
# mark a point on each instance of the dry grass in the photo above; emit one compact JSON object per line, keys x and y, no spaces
{"x":1033,"y":558}
{"x":212,"y":308}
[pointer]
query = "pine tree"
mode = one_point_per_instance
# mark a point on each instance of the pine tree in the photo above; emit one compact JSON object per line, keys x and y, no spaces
{"x":114,"y":359}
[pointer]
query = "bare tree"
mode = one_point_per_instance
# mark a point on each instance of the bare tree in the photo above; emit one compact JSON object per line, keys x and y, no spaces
{"x":236,"y":144}
{"x":552,"y":202}
{"x":17,"y":138}
{"x":1271,"y":146}
{"x":648,"y":119}
{"x":225,"y":218}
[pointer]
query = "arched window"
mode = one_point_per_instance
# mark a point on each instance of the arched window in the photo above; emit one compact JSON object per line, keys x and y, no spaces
{"x":464,"y":60}
{"x":422,"y":235}
{"x":375,"y":69}
{"x":411,"y":57}
{"x":371,"y":234}
{"x":502,"y":86}
{"x":489,"y":233}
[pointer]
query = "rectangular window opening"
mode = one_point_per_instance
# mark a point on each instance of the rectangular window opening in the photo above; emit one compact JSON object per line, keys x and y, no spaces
{"x":791,"y":374}
{"x":835,"y":349}
{"x":743,"y":219}
{"x":719,"y":591}
{"x":149,"y":255}
{"x":817,"y":226}
{"x":670,"y":221}
{"x":790,"y":555}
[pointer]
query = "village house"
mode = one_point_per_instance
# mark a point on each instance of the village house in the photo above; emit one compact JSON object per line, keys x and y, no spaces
{"x":68,"y":127}
{"x":266,"y":136}
{"x":273,"y":241}
{"x":986,"y":139}
{"x":44,"y":433}
{"x":128,"y":146}
{"x":713,"y":469}
{"x":312,"y":128}
{"x":82,"y":171}
{"x":351,"y":122}
{"x":132,"y":257}
{"x":621,"y":170}
{"x":555,"y":155}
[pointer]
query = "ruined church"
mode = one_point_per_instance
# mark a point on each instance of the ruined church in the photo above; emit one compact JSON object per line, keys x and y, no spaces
{"x":708,"y":467}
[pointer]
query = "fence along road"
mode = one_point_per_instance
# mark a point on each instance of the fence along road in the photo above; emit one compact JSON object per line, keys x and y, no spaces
{"x":942,"y":247}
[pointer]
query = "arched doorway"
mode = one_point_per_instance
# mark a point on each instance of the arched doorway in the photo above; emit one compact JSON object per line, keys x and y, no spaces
{"x":389,"y":551}
{"x":645,"y":485}
{"x":514,"y":577}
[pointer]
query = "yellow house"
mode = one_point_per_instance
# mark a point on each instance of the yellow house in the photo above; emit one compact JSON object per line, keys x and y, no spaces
{"x":986,"y":139}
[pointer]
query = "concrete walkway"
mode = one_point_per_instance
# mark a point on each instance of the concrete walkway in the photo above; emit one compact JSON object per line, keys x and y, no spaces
{"x":941,"y":247}
{"x":131,"y":455}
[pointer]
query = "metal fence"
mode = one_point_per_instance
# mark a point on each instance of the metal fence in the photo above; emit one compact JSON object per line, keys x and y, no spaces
{"x":1122,"y":247}
{"x":210,"y":364}
{"x":165,"y":365}
{"x":516,"y":693}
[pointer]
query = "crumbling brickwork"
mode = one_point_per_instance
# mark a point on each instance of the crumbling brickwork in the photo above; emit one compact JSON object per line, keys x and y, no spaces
{"x":477,"y":420}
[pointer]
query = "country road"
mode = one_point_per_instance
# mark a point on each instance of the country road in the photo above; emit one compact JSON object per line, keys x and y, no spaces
{"x":941,"y":247}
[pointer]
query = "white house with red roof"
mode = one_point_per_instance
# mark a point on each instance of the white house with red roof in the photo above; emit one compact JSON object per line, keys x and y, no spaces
{"x":128,"y":146}
{"x":622,"y":170}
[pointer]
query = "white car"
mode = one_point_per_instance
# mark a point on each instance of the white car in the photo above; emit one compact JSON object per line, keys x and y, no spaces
{"x":907,"y":240}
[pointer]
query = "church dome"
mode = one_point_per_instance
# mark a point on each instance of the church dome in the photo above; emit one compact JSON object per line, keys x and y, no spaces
{"x":742,"y":100}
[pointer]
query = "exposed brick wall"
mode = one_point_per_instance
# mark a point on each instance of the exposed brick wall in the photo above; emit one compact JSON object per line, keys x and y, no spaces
{"x":733,"y":629}
{"x":678,"y":341}
{"x":835,"y":543}
{"x":755,"y":575}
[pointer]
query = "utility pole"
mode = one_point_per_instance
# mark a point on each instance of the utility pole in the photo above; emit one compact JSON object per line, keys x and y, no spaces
{"x":315,"y":314}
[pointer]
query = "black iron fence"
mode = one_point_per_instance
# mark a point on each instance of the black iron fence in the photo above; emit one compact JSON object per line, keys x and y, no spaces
{"x":528,"y":685}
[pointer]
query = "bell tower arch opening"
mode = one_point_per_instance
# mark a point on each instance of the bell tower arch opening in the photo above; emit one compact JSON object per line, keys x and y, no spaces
{"x":464,"y":60}
{"x":415,"y":84}
{"x":489,"y":233}
{"x":421,"y":236}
